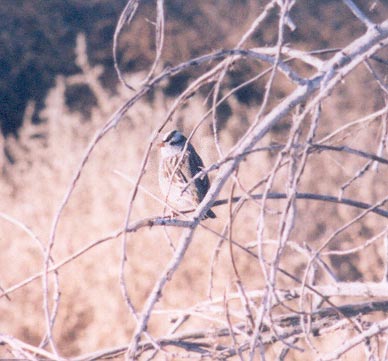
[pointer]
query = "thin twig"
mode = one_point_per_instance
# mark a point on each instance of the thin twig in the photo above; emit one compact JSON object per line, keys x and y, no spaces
{"x":126,"y":17}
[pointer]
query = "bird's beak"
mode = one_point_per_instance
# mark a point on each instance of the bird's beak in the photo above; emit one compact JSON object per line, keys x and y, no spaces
{"x":161,"y":145}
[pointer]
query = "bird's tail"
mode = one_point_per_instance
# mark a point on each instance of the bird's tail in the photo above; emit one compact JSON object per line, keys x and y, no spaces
{"x":210,"y":214}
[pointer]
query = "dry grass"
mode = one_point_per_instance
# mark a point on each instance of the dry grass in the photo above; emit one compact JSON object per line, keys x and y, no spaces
{"x":92,"y":312}
{"x":91,"y":302}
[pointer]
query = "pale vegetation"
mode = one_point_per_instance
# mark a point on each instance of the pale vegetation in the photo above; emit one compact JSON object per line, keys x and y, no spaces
{"x":294,"y":267}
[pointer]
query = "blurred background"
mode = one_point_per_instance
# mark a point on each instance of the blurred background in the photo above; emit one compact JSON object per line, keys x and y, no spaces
{"x":58,"y":86}
{"x":38,"y":41}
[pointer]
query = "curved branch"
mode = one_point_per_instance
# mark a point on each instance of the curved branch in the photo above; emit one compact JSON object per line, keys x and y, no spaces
{"x":126,"y":17}
{"x":173,"y":222}
{"x":288,"y":326}
{"x":313,"y":196}
{"x":333,"y":71}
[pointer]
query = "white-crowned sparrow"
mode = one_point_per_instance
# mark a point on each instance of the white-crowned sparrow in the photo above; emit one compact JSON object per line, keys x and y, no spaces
{"x":176,"y":172}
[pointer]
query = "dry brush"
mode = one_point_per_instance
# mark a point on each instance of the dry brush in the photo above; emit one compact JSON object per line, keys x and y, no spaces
{"x":296,"y":264}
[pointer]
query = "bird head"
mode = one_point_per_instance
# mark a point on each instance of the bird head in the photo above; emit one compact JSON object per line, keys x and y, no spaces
{"x":173,"y":143}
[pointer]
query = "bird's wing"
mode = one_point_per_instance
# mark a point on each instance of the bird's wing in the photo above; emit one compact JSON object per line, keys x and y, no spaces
{"x":202,"y":184}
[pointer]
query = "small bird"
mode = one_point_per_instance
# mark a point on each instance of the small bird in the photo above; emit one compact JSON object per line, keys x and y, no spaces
{"x":176,"y":172}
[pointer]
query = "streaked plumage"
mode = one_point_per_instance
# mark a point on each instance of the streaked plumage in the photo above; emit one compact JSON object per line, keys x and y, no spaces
{"x":174,"y":178}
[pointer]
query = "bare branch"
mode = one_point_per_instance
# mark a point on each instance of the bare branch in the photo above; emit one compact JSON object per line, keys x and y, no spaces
{"x":125,"y":18}
{"x":283,"y":111}
{"x":358,"y":13}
